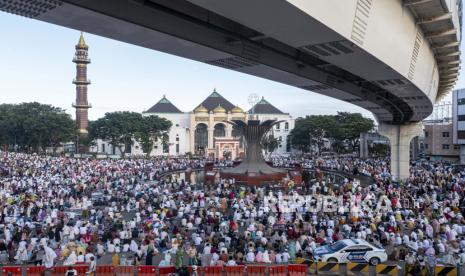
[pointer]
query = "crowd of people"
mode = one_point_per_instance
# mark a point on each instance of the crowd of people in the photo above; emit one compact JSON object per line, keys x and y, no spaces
{"x":61,"y":210}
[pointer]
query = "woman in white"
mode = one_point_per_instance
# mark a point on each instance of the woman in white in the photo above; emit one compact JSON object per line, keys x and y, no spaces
{"x":72,"y":259}
{"x":49,"y":257}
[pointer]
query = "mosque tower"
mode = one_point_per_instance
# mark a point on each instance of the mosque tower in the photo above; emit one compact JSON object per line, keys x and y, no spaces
{"x":81,"y":104}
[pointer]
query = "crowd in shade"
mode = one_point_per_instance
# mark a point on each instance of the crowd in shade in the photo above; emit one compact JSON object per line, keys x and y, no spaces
{"x":60,"y":210}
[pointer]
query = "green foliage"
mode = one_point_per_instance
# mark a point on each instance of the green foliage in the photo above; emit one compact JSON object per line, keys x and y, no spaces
{"x":34,"y":126}
{"x":269,"y":143}
{"x":343,"y":128}
{"x":122,"y":128}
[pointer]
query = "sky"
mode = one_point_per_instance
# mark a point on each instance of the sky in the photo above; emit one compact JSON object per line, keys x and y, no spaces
{"x":37,"y":66}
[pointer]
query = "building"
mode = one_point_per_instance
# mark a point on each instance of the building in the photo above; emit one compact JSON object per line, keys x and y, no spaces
{"x":458,"y":121}
{"x":438,"y":140}
{"x":204,"y":131}
{"x":81,"y":104}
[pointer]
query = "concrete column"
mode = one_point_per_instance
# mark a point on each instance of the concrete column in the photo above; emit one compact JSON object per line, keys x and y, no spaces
{"x":364,"y":145}
{"x":210,"y":137}
{"x":228,"y":130}
{"x":399,"y":137}
{"x":415,"y":148}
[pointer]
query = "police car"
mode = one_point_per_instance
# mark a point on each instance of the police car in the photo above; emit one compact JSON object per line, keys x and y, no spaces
{"x":351,"y":250}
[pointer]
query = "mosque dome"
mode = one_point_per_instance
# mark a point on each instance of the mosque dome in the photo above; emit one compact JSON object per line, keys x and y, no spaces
{"x":219,"y":109}
{"x":201,"y":109}
{"x":237,"y":109}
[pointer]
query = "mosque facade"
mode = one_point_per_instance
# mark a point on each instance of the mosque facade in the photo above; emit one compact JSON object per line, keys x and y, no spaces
{"x":204,"y":130}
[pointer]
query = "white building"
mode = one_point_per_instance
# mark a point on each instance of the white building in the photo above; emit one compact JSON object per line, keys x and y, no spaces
{"x":204,"y":130}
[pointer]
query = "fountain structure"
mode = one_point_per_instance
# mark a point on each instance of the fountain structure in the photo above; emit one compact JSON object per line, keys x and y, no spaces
{"x":253,"y":170}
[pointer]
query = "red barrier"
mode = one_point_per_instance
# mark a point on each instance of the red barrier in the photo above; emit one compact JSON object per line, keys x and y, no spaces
{"x":256,"y":270}
{"x":105,"y":270}
{"x":235,"y":270}
{"x":35,"y":271}
{"x":61,"y":270}
{"x":14,"y":270}
{"x":81,"y":269}
{"x":199,"y":270}
{"x":146,"y":270}
{"x":166,"y":270}
{"x":124,"y":271}
{"x":277,"y":270}
{"x":213,"y":271}
{"x":297,"y":270}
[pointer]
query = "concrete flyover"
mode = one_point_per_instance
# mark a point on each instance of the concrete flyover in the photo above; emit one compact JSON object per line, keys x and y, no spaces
{"x":395,"y":58}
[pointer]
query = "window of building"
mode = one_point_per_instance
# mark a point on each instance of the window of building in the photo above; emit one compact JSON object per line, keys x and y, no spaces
{"x":461,"y":101}
{"x":177,"y":148}
{"x":445,"y":134}
{"x":426,"y":134}
{"x":286,"y":126}
{"x":445,"y":146}
{"x":103,"y":147}
{"x":456,"y":147}
{"x":177,"y":125}
{"x":426,"y":146}
{"x":201,"y":137}
{"x":219,"y":130}
{"x":461,"y":134}
{"x":177,"y":137}
{"x":278,"y":125}
{"x":166,"y":148}
{"x":461,"y":117}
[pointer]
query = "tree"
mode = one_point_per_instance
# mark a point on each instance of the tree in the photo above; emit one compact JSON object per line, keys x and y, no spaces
{"x":311,"y":131}
{"x":269,"y":143}
{"x":34,"y":126}
{"x":151,"y":129}
{"x":348,"y":128}
{"x":343,"y":128}
{"x":121,"y":129}
{"x":118,"y":128}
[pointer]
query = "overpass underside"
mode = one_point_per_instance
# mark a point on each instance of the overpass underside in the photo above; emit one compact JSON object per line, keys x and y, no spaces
{"x":394,"y":58}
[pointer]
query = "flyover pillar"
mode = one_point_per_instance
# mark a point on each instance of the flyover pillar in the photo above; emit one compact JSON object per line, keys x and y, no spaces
{"x":364,"y":151}
{"x":400,"y":137}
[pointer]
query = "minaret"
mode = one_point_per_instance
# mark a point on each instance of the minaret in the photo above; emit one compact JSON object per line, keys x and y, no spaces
{"x":82,"y":120}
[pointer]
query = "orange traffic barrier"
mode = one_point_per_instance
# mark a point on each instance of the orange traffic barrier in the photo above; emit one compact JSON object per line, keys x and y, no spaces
{"x":14,"y":270}
{"x":277,"y":270}
{"x":124,"y":270}
{"x":146,"y":270}
{"x":256,"y":270}
{"x":213,"y":271}
{"x":297,"y":270}
{"x":35,"y":271}
{"x":235,"y":270}
{"x":105,"y":270}
{"x":166,"y":270}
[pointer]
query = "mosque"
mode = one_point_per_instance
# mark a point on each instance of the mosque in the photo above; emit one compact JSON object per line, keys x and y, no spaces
{"x":203,"y":130}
